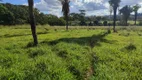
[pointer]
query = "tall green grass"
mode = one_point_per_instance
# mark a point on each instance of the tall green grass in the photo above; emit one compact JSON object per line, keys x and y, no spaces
{"x":69,"y":55}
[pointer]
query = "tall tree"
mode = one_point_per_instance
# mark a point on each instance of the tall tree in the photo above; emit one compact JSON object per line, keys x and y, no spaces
{"x":66,"y":10}
{"x":126,"y":12}
{"x":82,"y":17}
{"x":115,"y":5}
{"x":135,"y":9}
{"x":32,"y":21}
{"x":110,"y":11}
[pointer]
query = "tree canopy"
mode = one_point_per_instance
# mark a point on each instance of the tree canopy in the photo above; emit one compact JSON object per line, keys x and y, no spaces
{"x":126,"y":12}
{"x":114,"y":3}
{"x":18,"y":14}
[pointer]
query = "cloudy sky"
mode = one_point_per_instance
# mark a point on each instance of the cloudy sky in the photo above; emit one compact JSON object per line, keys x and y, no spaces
{"x":92,"y":7}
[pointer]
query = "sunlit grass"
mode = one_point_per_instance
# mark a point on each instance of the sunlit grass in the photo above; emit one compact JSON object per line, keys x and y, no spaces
{"x":69,"y":55}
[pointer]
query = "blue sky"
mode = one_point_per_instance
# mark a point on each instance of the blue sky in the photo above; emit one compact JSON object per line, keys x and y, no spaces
{"x":92,"y":7}
{"x":18,"y":1}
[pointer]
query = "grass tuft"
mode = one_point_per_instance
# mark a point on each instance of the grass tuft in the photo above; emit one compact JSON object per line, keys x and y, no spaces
{"x":131,"y":47}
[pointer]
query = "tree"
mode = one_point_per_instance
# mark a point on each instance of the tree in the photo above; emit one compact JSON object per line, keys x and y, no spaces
{"x":42,"y":19}
{"x":75,"y":16}
{"x":110,"y":11}
{"x":135,"y":9}
{"x":54,"y":20}
{"x":32,"y":21}
{"x":6,"y":17}
{"x":82,"y":12}
{"x":126,"y":11}
{"x":66,"y":10}
{"x":115,"y":5}
{"x":99,"y":18}
{"x":82,"y":17}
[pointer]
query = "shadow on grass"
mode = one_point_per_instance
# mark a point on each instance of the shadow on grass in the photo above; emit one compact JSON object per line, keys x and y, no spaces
{"x":15,"y":35}
{"x":30,"y":45}
{"x":19,"y":35}
{"x":90,"y":41}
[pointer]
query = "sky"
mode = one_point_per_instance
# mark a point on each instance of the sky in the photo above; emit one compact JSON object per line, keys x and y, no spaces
{"x":92,"y":7}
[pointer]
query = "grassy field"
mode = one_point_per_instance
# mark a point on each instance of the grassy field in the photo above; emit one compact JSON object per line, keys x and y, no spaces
{"x":77,"y":54}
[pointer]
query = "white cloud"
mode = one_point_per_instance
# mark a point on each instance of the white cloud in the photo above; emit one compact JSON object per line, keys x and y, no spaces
{"x":49,"y":6}
{"x":92,"y":7}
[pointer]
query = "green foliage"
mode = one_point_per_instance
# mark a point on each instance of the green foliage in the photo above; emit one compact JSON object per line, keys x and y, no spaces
{"x":126,"y":12}
{"x":136,"y":7}
{"x":17,"y":11}
{"x":114,"y":3}
{"x":11,"y":14}
{"x":6,"y":17}
{"x":54,"y":20}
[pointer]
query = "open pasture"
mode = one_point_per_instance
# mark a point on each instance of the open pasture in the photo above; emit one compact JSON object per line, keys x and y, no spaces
{"x":82,"y":53}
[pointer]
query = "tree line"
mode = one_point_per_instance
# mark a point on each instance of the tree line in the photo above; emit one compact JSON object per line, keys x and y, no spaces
{"x":11,"y":15}
{"x":18,"y":14}
{"x":124,"y":12}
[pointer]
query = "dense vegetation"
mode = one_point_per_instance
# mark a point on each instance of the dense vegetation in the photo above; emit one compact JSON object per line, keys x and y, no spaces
{"x":11,"y":14}
{"x":70,"y":55}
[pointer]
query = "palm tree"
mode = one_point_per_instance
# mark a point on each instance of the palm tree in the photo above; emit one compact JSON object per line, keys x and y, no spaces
{"x":126,"y":12}
{"x":32,"y":21}
{"x":135,"y":9}
{"x":115,"y":5}
{"x":110,"y":10}
{"x":66,"y":10}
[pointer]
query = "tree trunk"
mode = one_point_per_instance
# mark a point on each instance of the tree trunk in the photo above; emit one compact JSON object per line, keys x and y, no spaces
{"x":135,"y":18}
{"x":67,"y":23}
{"x":32,"y":21}
{"x":114,"y":19}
